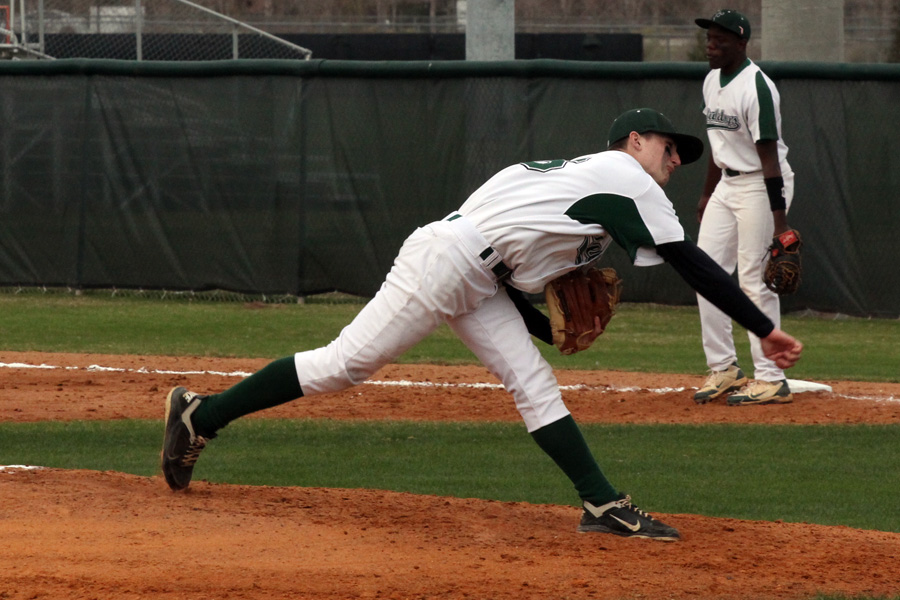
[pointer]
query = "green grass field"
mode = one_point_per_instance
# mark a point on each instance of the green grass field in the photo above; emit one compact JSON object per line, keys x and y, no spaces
{"x":648,"y":338}
{"x":820,"y":474}
{"x":832,"y":475}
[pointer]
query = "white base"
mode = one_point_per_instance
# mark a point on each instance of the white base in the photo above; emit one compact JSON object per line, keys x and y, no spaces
{"x":798,"y":386}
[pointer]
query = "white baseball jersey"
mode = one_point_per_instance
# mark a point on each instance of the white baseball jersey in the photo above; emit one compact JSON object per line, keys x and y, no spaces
{"x":741,"y":109}
{"x":545,"y":218}
{"x":548,"y":217}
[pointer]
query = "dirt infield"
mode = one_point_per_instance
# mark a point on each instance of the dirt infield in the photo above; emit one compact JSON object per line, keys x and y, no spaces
{"x":85,"y":534}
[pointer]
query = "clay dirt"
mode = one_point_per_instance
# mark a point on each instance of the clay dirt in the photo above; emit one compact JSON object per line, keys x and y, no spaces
{"x":108,"y":535}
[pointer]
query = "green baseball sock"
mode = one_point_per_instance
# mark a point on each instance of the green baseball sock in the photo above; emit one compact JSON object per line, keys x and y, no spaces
{"x":274,"y":384}
{"x":563,"y":442}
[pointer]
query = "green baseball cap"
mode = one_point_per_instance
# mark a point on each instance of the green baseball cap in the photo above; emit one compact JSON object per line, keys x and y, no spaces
{"x":728,"y":19}
{"x":645,"y":120}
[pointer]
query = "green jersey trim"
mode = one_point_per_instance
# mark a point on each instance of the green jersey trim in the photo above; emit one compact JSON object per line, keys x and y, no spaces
{"x":768,"y":127}
{"x":726,"y":79}
{"x":619,"y":216}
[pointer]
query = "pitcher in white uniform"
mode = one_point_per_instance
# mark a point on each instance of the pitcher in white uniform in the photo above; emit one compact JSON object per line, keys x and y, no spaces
{"x":528,"y":224}
{"x":747,"y":193}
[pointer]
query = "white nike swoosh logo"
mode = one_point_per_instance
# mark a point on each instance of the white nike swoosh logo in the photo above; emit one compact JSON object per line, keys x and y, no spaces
{"x":630,"y":526}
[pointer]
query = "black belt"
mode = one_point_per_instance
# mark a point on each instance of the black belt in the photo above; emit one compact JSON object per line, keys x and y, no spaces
{"x":490,"y":258}
{"x":733,"y":173}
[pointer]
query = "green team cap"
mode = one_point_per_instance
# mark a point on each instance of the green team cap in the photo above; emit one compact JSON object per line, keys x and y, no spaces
{"x":731,"y":20}
{"x":645,"y":120}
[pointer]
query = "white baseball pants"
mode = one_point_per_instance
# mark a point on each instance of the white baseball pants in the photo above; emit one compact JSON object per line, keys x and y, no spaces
{"x":439,"y":277}
{"x":736,"y":231}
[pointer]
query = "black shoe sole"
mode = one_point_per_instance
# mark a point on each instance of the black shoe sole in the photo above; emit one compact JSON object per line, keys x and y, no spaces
{"x":774,"y":400}
{"x":171,"y":479}
{"x":638,"y":534}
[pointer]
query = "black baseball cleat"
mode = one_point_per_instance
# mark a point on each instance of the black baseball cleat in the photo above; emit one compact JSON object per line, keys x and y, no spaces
{"x":181,"y":444}
{"x":621,"y":517}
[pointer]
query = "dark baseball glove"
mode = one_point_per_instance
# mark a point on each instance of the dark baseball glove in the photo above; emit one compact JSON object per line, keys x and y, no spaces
{"x":783,"y":270}
{"x":573,"y":301}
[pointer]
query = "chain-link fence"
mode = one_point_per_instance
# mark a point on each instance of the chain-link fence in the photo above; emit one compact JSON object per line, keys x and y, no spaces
{"x":184,"y":30}
{"x":174,"y":30}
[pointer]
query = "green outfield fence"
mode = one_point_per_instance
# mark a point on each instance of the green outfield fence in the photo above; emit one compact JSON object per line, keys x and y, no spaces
{"x":300,"y":177}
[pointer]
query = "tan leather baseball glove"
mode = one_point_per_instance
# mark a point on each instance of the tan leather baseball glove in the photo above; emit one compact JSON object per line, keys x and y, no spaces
{"x":573,"y":301}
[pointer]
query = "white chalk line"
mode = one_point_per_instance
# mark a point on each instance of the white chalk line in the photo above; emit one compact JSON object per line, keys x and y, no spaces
{"x":399,"y":383}
{"x":498,"y":386}
{"x":145,"y":370}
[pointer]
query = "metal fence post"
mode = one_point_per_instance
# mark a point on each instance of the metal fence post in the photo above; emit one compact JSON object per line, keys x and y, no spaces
{"x":138,"y":29}
{"x":40,"y":25}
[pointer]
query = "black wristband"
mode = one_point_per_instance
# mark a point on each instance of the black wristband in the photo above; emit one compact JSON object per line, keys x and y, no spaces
{"x":775,"y":190}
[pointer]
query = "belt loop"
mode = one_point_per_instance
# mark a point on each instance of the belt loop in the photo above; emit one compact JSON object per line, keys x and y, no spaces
{"x":472,"y":238}
{"x":492,"y":260}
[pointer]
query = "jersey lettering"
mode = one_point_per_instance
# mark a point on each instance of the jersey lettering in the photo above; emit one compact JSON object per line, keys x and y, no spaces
{"x":717,"y":119}
{"x":592,"y":248}
{"x":543,"y":166}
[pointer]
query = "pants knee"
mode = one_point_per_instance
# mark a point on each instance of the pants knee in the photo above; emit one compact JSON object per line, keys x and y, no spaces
{"x":328,"y":369}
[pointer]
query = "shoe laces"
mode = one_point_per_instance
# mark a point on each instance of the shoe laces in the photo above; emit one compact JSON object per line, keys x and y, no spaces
{"x":627,"y":505}
{"x":198,"y":443}
{"x":715,"y":378}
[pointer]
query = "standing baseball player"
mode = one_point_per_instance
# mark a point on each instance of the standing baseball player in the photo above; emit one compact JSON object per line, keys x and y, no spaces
{"x":527,"y":225}
{"x":747,"y":193}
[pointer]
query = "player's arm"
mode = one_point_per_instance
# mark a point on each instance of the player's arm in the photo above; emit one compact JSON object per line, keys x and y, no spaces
{"x":713,"y":175}
{"x":764,"y":113}
{"x":771,"y":168}
{"x":710,"y":281}
{"x":537,"y":322}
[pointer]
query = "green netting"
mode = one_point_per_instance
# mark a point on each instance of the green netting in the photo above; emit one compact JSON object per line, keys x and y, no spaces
{"x":293,"y":178}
